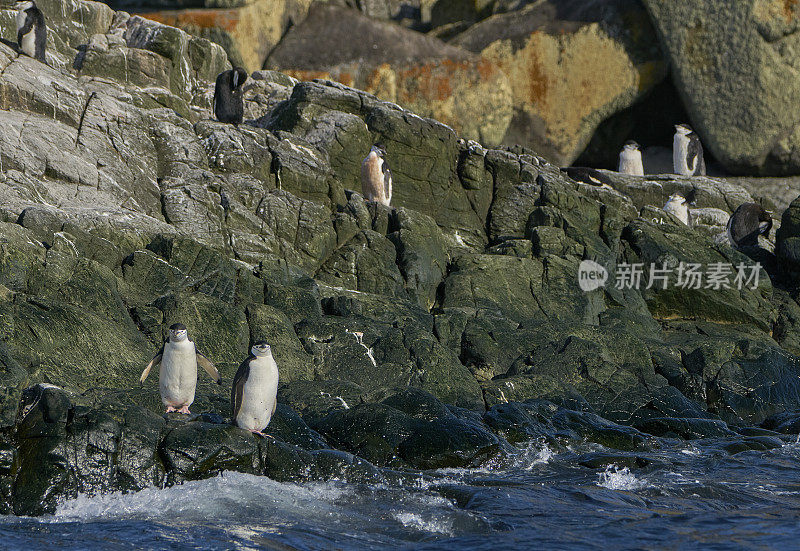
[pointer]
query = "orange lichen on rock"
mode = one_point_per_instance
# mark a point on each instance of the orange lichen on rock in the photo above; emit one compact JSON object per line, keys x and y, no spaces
{"x":342,"y":77}
{"x":301,"y":74}
{"x":205,"y":19}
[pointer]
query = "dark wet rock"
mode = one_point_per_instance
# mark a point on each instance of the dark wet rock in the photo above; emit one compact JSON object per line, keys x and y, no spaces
{"x":421,"y":251}
{"x":423,"y":434}
{"x":594,"y":428}
{"x":284,"y":462}
{"x":543,"y":420}
{"x":197,"y":450}
{"x":667,"y":246}
{"x":335,"y":464}
{"x":603,"y":460}
{"x":314,"y":400}
{"x":753,"y":443}
{"x":520,"y":422}
{"x":43,"y":473}
{"x":787,"y":239}
{"x":380,"y":355}
{"x":287,"y":425}
{"x":785,"y":423}
{"x":365,"y":263}
{"x":689,"y":429}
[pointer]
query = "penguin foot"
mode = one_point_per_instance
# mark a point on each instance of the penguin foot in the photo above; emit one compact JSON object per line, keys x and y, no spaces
{"x":261,"y":434}
{"x":170,"y":409}
{"x":184,"y":410}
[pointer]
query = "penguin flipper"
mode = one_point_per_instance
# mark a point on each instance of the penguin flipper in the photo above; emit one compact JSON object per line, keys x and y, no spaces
{"x":154,"y":362}
{"x":206,"y":364}
{"x":694,"y":158}
{"x":237,"y":390}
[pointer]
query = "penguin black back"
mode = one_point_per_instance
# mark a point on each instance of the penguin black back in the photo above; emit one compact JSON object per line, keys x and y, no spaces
{"x":228,"y":101}
{"x":31,"y":30}
{"x":586,"y":175}
{"x":748,"y":222}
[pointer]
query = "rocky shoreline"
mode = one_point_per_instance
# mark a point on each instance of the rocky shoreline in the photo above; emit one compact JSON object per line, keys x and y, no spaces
{"x":476,"y":335}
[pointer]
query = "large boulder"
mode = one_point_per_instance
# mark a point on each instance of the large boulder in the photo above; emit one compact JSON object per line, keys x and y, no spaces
{"x":788,"y":237}
{"x":247,"y":30}
{"x":732,"y":62}
{"x":416,"y":71}
{"x":551,"y":52}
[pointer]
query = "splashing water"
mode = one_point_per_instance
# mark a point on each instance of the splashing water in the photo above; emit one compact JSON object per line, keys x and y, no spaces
{"x":541,"y":495}
{"x":615,"y":478}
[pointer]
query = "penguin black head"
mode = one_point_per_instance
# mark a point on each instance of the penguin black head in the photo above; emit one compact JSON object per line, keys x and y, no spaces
{"x":261,"y":348}
{"x":677,"y":199}
{"x":764,"y":219}
{"x":22,"y":5}
{"x":238,"y":78}
{"x":683,"y":129}
{"x":632,"y":145}
{"x":379,"y":150}
{"x":177,"y":332}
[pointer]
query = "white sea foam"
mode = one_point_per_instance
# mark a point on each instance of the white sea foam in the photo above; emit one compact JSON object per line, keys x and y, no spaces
{"x":415,"y":521}
{"x":537,"y":453}
{"x":615,"y":478}
{"x":228,"y":492}
{"x":270,"y":507}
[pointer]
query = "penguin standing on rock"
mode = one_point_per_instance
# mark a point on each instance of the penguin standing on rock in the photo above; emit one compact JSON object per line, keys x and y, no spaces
{"x":687,"y":152}
{"x":376,"y":178}
{"x":630,"y":159}
{"x":31,"y":30}
{"x":678,"y":205}
{"x":255,"y":390}
{"x":228,"y":100}
{"x":748,"y":222}
{"x":177,"y":379}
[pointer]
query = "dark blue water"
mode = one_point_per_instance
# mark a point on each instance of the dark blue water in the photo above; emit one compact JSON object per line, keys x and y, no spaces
{"x":686,"y":496}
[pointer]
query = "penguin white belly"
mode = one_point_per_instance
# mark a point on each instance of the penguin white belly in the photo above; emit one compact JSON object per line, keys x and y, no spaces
{"x":178,"y":374}
{"x":680,"y":151}
{"x":372,"y":178}
{"x":258,"y":399}
{"x":28,"y":44}
{"x":680,"y":211}
{"x":630,"y":163}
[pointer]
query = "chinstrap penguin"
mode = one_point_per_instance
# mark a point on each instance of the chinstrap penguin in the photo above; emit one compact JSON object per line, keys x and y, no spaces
{"x":630,"y":159}
{"x":687,"y":152}
{"x":228,"y":100}
{"x":177,"y":378}
{"x":376,"y":178}
{"x":678,"y":205}
{"x":589,"y":176}
{"x":31,"y":30}
{"x":748,"y":222}
{"x":255,"y":389}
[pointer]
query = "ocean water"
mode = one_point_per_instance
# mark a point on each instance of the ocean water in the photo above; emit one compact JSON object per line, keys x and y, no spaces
{"x":687,"y":495}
